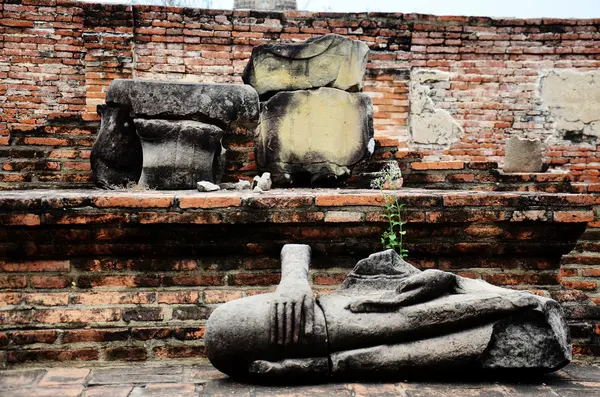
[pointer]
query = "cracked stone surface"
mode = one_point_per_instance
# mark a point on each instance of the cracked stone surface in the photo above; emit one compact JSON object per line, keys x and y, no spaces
{"x":228,"y":106}
{"x":573,"y":99}
{"x":523,"y":155}
{"x":175,"y":379}
{"x":324,"y":61}
{"x":428,"y":123}
{"x":316,"y":134}
{"x":178,"y":154}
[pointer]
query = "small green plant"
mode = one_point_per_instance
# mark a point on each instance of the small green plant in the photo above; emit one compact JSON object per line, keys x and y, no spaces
{"x":393,"y":237}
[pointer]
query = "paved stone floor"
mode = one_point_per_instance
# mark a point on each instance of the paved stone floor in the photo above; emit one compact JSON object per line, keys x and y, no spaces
{"x":173,"y":380}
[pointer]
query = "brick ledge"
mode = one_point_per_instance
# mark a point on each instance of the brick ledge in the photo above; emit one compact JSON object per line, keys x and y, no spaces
{"x":44,"y":207}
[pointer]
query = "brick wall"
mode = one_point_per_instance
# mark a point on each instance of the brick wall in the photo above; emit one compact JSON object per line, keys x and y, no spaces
{"x":57,"y":58}
{"x":91,"y":275}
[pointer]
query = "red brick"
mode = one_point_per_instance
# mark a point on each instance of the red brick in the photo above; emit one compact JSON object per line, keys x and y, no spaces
{"x":11,"y":282}
{"x":193,"y":279}
{"x":34,"y":336}
{"x":95,"y":335}
{"x":35,"y":266}
{"x":520,"y":279}
{"x":113,"y":298}
{"x":125,"y":353}
{"x":180,"y":351}
{"x":220,"y":296}
{"x":209,"y":201}
{"x":329,"y":278}
{"x":150,"y":333}
{"x":280,"y":201}
{"x":197,"y":218}
{"x":438,"y":165}
{"x":10,"y":298}
{"x":20,"y":220}
{"x":77,"y":315}
{"x":573,"y":216}
{"x":254,"y":279}
{"x":340,"y":200}
{"x":50,"y":282}
{"x":177,"y":297}
{"x":479,"y":199}
{"x":49,"y":299}
{"x":297,"y":217}
{"x":590,"y":272}
{"x":136,"y":201}
{"x":581,"y":285}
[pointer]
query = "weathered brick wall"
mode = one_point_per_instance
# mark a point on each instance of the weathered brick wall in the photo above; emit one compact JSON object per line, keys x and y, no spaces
{"x":91,"y":275}
{"x":58,"y":57}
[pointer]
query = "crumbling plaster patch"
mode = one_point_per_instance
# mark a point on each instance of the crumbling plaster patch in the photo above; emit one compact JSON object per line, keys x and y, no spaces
{"x":573,"y":99}
{"x":428,"y":123}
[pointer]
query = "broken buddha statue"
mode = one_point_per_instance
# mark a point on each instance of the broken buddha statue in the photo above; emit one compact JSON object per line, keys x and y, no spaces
{"x":388,"y":318}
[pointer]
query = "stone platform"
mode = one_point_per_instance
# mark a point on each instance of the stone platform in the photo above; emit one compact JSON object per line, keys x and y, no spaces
{"x":193,"y":380}
{"x":90,"y":275}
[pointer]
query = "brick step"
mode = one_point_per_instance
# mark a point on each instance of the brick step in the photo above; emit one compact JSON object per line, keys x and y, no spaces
{"x":581,"y":258}
{"x":588,"y":246}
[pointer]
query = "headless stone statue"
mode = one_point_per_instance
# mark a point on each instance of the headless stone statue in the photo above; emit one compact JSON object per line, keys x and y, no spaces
{"x":387,"y":319}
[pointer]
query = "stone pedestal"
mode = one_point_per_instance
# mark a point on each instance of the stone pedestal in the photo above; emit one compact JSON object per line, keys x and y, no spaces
{"x":178,"y":154}
{"x":179,"y":127}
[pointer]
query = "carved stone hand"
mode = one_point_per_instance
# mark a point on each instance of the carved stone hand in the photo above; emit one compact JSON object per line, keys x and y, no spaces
{"x":292,"y":313}
{"x":293,"y":307}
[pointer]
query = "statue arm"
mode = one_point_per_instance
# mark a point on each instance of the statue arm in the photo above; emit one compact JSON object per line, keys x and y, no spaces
{"x":293,"y":308}
{"x":417,"y":288}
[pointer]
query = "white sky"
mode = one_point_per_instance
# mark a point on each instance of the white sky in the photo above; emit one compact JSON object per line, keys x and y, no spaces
{"x":492,"y":8}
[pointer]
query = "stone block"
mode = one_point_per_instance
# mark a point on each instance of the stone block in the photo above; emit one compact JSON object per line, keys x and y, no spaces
{"x":178,"y":154}
{"x":523,"y":155}
{"x":324,"y":61}
{"x":116,"y":157}
{"x":228,"y":106}
{"x":313,"y":135}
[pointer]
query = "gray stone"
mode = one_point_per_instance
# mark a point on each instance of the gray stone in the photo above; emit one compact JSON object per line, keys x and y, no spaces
{"x":178,"y":154}
{"x":116,"y":157}
{"x":313,"y":136}
{"x":324,"y":61}
{"x":262,"y":183}
{"x":205,"y":186}
{"x":239,"y":185}
{"x":387,"y":319}
{"x":228,"y":106}
{"x":523,"y":155}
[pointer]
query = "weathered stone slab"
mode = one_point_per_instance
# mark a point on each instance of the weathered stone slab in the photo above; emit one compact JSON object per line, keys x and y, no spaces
{"x":325,"y":61}
{"x":228,"y":106}
{"x":523,"y":155}
{"x":430,"y":124}
{"x":315,"y":135}
{"x":178,"y":154}
{"x":126,"y":375}
{"x":116,"y":156}
{"x":573,"y":99}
